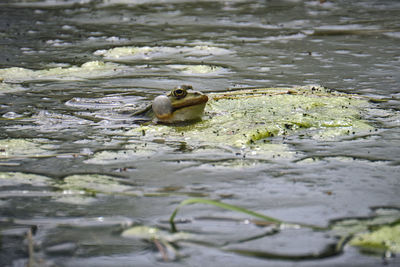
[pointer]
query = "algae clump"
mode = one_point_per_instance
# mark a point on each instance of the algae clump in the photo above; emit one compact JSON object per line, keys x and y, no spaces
{"x":20,"y":148}
{"x":88,"y":70}
{"x":386,"y":238}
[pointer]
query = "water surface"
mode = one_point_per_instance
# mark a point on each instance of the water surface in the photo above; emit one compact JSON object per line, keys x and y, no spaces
{"x":70,"y":172}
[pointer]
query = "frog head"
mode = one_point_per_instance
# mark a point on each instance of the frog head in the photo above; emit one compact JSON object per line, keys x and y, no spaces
{"x":180,"y":105}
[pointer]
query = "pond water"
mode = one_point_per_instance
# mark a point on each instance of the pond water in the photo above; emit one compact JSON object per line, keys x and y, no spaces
{"x":72,"y":177}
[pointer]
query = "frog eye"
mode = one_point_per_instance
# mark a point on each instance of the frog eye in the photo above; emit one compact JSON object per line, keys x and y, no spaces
{"x":179,"y":93}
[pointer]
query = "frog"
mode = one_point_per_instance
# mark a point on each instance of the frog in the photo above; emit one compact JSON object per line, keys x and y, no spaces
{"x":181,"y":105}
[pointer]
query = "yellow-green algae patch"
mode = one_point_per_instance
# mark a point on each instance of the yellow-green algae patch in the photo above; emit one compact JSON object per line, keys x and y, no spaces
{"x":20,"y":148}
{"x":83,"y":189}
{"x":9,"y":88}
{"x":94,"y":183}
{"x":71,"y":185}
{"x":249,"y":118}
{"x":378,"y":234}
{"x":18,"y":178}
{"x":77,"y":189}
{"x":74,"y":189}
{"x":87,"y":70}
{"x":132,"y":53}
{"x":386,"y":238}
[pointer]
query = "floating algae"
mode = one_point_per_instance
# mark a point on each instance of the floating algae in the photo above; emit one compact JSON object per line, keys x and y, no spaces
{"x":21,"y":148}
{"x":88,"y":70}
{"x":18,"y":178}
{"x":386,"y":238}
{"x":136,"y":54}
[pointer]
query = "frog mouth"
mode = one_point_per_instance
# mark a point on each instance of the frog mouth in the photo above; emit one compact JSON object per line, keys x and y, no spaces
{"x":201,"y":99}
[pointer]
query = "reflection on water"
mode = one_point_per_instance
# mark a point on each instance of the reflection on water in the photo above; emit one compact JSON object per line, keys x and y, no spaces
{"x":71,"y":171}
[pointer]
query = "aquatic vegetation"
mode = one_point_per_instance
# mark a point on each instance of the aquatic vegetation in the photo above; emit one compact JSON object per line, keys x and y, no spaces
{"x":18,"y":178}
{"x":133,"y":53}
{"x":94,"y":183}
{"x":273,"y":112}
{"x":9,"y":88}
{"x":382,"y":239}
{"x":74,"y":189}
{"x":21,"y":148}
{"x":92,"y":70}
{"x":88,"y":70}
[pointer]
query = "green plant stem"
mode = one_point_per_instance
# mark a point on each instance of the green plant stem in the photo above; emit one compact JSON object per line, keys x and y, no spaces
{"x":226,"y":206}
{"x":216,"y":203}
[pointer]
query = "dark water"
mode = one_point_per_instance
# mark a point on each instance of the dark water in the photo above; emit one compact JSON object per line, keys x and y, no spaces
{"x":350,"y":46}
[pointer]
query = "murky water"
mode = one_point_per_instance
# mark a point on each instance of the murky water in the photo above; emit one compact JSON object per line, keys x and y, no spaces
{"x":70,"y":171}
